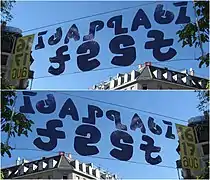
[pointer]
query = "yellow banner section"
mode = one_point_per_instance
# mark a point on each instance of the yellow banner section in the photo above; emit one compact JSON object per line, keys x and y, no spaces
{"x":188,"y":149}
{"x":21,"y":57}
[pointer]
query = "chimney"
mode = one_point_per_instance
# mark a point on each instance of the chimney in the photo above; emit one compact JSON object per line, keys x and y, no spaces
{"x":18,"y":161}
{"x":147,"y":63}
{"x":184,"y":71}
{"x":140,"y":66}
{"x":61,"y":153}
{"x":192,"y":72}
{"x":90,"y":164}
{"x":69,"y":156}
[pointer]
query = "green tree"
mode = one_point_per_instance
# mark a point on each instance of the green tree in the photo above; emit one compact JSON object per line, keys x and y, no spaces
{"x":203,"y":97}
{"x":13,"y":123}
{"x":189,"y":34}
{"x":6,"y":7}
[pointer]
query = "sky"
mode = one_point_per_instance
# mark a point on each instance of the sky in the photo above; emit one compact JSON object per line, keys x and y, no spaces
{"x":33,"y":14}
{"x":175,"y":104}
{"x":180,"y":104}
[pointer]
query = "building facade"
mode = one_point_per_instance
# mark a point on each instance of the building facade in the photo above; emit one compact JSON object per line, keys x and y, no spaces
{"x":200,"y":124}
{"x":148,"y":76}
{"x":61,"y":166}
{"x":9,"y":36}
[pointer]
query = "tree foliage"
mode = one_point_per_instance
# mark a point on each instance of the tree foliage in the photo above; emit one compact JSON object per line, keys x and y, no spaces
{"x":12,"y":123}
{"x":188,"y":35}
{"x":6,"y":7}
{"x":203,"y":97}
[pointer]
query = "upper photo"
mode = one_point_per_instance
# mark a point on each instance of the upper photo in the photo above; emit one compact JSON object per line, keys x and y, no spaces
{"x":104,"y":45}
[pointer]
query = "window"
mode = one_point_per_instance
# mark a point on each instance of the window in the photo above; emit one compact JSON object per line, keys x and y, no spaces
{"x":65,"y":177}
{"x":144,"y":86}
{"x":205,"y":149}
{"x":7,"y":44}
{"x":2,"y":75}
{"x":4,"y":59}
{"x":77,"y":177}
{"x":202,"y":133}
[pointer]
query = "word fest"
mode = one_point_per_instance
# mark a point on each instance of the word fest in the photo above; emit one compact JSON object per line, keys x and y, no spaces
{"x":88,"y":135}
{"x":122,"y":44}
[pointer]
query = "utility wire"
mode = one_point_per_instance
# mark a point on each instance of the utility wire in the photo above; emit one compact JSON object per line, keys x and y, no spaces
{"x":89,"y":16}
{"x":122,"y":106}
{"x":107,"y":68}
{"x":97,"y":157}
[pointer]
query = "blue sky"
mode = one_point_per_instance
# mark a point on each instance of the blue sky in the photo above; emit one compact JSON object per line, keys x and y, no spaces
{"x":182,"y":104}
{"x":178,"y":104}
{"x":32,"y":14}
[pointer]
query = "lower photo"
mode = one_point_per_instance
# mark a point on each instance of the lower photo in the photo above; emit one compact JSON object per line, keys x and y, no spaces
{"x":104,"y":135}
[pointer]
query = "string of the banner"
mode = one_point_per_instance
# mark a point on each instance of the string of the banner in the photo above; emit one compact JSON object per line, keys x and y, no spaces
{"x":93,"y":15}
{"x":109,"y":68}
{"x":119,"y":105}
{"x":97,"y":157}
{"x":113,"y":104}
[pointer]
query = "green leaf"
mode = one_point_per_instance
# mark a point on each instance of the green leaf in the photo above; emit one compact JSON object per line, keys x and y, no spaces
{"x":13,"y":134}
{"x":198,"y":12}
{"x":8,"y":153}
{"x":201,"y":64}
{"x":7,"y":127}
{"x":11,"y":102}
{"x":25,"y":133}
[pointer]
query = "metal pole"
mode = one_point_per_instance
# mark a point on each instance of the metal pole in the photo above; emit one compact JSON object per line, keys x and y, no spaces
{"x":199,"y":35}
{"x":178,"y":173}
{"x":31,"y":84}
